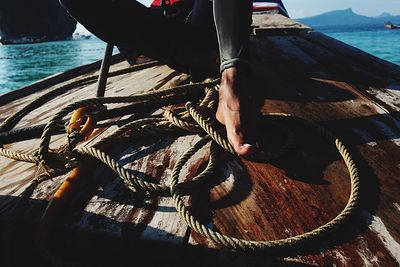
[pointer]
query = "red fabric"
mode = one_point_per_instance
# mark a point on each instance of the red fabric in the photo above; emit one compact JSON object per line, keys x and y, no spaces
{"x":264,"y":8}
{"x":157,"y":3}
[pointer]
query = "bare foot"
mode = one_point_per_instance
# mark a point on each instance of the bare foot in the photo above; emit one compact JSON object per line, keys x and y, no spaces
{"x":230,"y":111}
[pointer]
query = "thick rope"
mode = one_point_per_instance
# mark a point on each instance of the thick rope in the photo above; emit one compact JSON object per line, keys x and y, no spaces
{"x":291,"y":243}
{"x":11,"y":121}
{"x":194,"y":119}
{"x":43,"y":156}
{"x":157,"y":96}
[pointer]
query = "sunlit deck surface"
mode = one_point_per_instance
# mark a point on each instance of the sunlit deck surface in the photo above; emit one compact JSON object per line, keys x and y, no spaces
{"x":299,"y":71}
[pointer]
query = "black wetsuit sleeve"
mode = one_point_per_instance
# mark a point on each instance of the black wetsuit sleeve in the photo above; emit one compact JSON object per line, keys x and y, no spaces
{"x":232,"y":21}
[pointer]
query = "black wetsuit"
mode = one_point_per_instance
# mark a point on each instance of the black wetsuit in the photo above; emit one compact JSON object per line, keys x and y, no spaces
{"x":190,"y":38}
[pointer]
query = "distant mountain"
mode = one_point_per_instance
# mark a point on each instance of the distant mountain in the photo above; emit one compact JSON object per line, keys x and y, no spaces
{"x":347,"y":17}
{"x":384,"y":15}
{"x":27,"y":21}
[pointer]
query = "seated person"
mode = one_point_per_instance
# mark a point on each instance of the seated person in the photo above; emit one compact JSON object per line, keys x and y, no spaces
{"x":189,"y":40}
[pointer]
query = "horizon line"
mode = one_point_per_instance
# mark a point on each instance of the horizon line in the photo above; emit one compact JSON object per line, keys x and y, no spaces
{"x":342,"y":9}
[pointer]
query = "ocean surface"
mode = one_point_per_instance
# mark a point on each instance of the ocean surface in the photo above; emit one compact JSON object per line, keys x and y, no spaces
{"x":24,"y":64}
{"x":374,"y":39}
{"x":21,"y":65}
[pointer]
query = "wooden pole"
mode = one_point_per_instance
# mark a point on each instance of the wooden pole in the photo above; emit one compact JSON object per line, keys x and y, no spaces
{"x":104,"y":69}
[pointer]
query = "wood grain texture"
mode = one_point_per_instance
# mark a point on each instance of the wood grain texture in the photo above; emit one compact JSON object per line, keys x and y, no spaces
{"x":306,"y":74}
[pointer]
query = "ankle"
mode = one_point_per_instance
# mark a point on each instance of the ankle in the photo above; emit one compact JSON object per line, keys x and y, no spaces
{"x":229,"y":76}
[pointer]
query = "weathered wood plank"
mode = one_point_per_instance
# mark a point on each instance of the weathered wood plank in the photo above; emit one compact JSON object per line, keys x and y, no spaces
{"x":346,"y":110}
{"x":127,"y":85}
{"x":275,"y":24}
{"x":371,"y":78}
{"x":357,"y":55}
{"x":300,"y":191}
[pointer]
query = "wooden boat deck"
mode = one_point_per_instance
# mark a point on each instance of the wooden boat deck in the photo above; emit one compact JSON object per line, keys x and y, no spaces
{"x":299,"y":71}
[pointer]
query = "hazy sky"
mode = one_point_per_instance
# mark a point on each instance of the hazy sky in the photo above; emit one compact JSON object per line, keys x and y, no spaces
{"x":305,"y":8}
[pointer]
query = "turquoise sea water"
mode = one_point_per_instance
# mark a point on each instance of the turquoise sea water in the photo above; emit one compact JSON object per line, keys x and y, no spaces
{"x":374,"y":39}
{"x":21,"y":65}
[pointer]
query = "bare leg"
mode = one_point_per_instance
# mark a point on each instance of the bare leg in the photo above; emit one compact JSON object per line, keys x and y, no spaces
{"x":233,"y":113}
{"x":232,"y":20}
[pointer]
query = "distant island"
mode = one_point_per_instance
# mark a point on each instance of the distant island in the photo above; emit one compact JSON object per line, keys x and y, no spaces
{"x":28,"y":21}
{"x":347,"y":17}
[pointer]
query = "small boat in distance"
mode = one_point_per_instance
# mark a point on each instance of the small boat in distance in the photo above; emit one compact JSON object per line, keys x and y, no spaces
{"x":391,"y":26}
{"x":80,"y":36}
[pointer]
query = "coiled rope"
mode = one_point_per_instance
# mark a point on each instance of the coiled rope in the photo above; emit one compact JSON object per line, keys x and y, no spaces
{"x":192,"y":119}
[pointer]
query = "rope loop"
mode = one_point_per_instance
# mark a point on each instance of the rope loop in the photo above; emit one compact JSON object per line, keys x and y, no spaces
{"x":274,"y":246}
{"x":194,"y":118}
